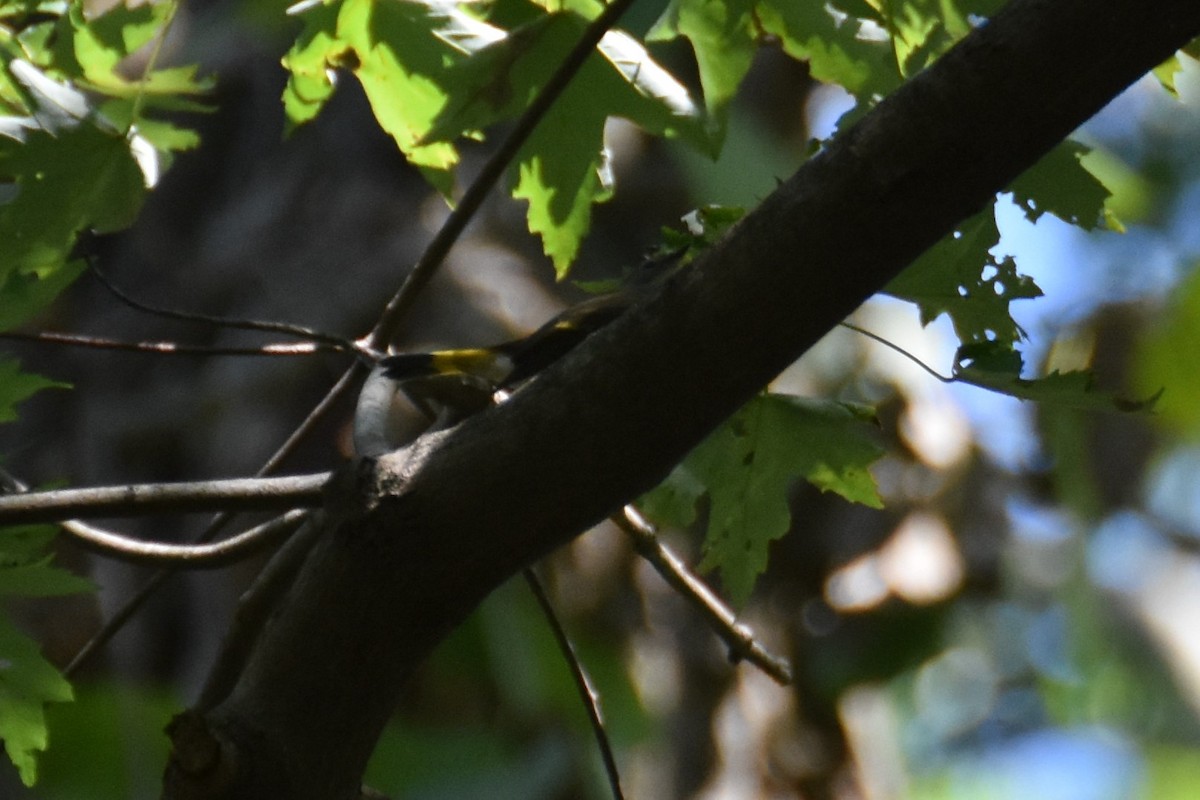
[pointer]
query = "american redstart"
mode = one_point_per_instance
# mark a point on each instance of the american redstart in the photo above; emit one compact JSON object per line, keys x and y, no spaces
{"x":407,"y":393}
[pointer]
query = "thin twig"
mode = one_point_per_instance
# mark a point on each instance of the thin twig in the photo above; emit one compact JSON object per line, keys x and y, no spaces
{"x":892,"y":345}
{"x":264,"y":326}
{"x":171,"y":348}
{"x":243,"y":494}
{"x":472,"y":199}
{"x":738,"y":638}
{"x":587,"y":694}
{"x":116,"y":622}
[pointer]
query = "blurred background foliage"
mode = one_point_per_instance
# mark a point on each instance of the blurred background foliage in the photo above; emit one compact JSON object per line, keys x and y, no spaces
{"x":1018,"y":622}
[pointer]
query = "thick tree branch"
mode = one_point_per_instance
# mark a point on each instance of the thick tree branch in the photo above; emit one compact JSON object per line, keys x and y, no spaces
{"x":417,"y":539}
{"x":138,"y":499}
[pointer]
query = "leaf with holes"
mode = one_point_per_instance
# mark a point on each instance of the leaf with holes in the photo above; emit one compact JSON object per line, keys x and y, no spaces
{"x":959,"y":276}
{"x":1061,"y":185}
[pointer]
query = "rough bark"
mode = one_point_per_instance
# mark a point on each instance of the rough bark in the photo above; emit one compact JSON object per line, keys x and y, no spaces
{"x":412,"y":543}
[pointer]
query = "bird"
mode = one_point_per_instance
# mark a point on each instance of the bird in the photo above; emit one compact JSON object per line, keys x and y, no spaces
{"x":408,"y":393}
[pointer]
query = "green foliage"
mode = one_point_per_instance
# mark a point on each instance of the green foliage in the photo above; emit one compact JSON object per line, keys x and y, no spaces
{"x":722,"y":36}
{"x":434,"y":73}
{"x":108,"y":742}
{"x":28,"y":681}
{"x":995,"y":367}
{"x":866,"y":47}
{"x":746,"y":467}
{"x":80,"y":147}
{"x":70,"y":163}
{"x":836,"y":41}
{"x":66,"y":164}
{"x":963,"y":277}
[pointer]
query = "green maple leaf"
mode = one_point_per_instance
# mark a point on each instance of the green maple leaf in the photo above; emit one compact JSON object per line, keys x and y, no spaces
{"x":62,"y":171}
{"x":434,"y":73}
{"x":27,"y":683}
{"x":746,"y":468}
{"x":723,"y":39}
{"x":309,"y":63}
{"x":960,"y":277}
{"x":400,"y":53}
{"x":561,"y":169}
{"x":90,"y":50}
{"x":1061,"y":185}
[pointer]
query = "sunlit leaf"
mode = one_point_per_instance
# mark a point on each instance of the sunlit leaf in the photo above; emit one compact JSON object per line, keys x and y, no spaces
{"x":836,"y":46}
{"x":434,"y":73}
{"x":309,"y":64}
{"x":27,"y":683}
{"x":723,"y":39}
{"x":90,"y":49}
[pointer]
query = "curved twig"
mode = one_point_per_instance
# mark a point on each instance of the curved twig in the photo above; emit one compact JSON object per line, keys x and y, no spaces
{"x":185,"y":556}
{"x":591,"y":701}
{"x":893,"y":346}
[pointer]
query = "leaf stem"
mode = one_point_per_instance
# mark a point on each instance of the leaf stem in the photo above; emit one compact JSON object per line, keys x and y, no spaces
{"x":893,"y":346}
